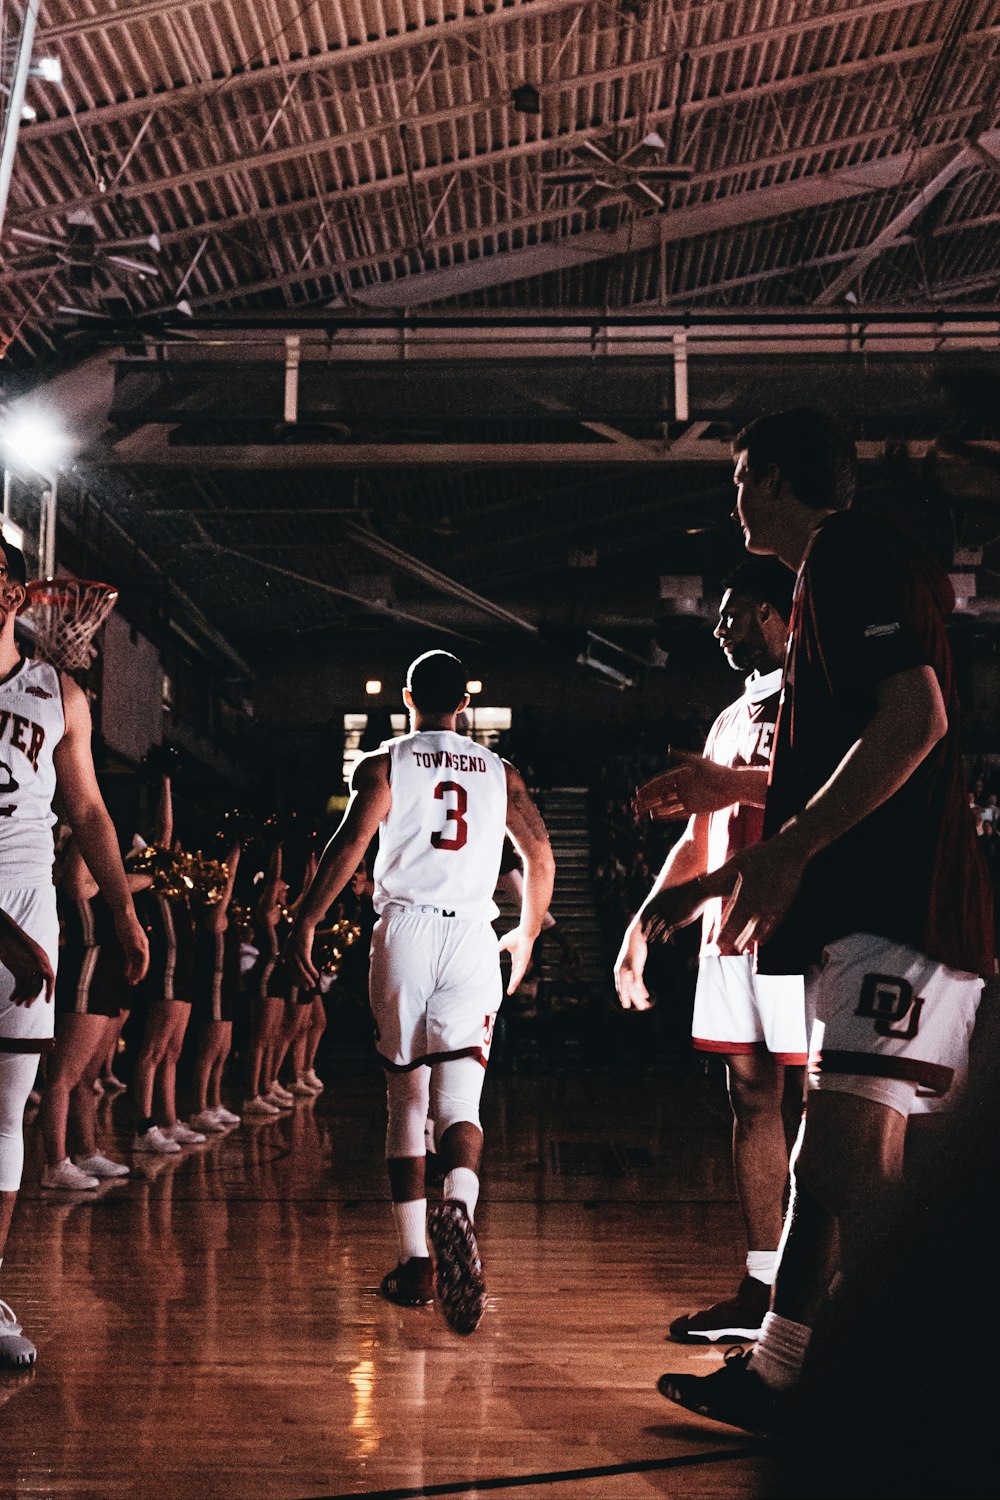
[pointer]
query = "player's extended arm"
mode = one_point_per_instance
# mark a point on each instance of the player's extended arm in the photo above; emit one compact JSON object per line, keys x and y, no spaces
{"x":27,"y":962}
{"x":909,"y":720}
{"x":531,"y":840}
{"x":695,"y":785}
{"x":687,"y":859}
{"x":95,"y":833}
{"x":371,"y":799}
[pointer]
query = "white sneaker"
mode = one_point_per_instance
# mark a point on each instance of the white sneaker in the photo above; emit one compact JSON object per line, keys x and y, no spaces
{"x":101,"y":1166}
{"x":312,"y":1078}
{"x":98,"y":1088}
{"x":65,"y":1175}
{"x":155,"y":1140}
{"x":183,"y":1134}
{"x":259,"y":1108}
{"x":16,"y":1352}
{"x":225,"y":1116}
{"x":301,"y":1089}
{"x":278,"y":1094}
{"x":113,"y":1085}
{"x":207,"y":1120}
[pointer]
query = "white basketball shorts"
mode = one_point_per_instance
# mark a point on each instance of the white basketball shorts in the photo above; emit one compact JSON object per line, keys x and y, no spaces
{"x":434,"y":987}
{"x":889,"y":1024}
{"x":34,"y":909}
{"x":737,"y":1011}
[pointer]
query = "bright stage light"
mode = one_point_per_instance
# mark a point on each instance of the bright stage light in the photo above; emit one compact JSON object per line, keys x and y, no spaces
{"x":373,"y":687}
{"x":473,"y":687}
{"x":31,"y":439}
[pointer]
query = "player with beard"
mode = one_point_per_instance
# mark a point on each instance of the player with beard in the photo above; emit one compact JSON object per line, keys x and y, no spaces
{"x":45,"y":751}
{"x":756,"y":1022}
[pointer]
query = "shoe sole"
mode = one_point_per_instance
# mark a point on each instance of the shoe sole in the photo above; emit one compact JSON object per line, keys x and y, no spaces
{"x":458,"y":1270}
{"x":713,"y":1335}
{"x":666,"y":1387}
{"x":20,"y":1362}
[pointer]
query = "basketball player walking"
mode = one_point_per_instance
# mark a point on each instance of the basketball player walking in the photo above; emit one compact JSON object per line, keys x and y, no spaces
{"x":756,"y":1022}
{"x":44,"y":749}
{"x":441,"y":806}
{"x":868,"y":879}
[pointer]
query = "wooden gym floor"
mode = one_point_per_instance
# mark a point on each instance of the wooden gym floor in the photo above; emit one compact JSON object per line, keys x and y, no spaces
{"x":211,"y":1330}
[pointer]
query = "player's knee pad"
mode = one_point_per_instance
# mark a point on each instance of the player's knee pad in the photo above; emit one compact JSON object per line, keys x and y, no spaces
{"x":456,"y":1090}
{"x":17,"y":1075}
{"x":407,"y":1095}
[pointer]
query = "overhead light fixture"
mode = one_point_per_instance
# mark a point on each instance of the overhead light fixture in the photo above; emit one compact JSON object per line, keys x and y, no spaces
{"x":48,"y":69}
{"x":526,"y":99}
{"x":373,"y":687}
{"x":30,"y":438}
{"x":473,"y":686}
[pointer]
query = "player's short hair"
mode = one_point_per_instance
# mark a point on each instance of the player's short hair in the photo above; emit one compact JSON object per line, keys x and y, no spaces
{"x":766,"y":581}
{"x":17,"y":570}
{"x":811,"y":451}
{"x":436,"y":682}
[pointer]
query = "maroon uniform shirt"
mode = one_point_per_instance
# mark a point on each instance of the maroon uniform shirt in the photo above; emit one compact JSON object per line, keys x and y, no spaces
{"x":869,"y":603}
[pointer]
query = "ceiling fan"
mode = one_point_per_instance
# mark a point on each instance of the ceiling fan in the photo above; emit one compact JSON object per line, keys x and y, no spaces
{"x":83,"y":255}
{"x":634,"y":175}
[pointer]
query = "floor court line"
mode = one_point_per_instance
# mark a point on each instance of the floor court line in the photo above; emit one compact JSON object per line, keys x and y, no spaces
{"x":554,"y":1476}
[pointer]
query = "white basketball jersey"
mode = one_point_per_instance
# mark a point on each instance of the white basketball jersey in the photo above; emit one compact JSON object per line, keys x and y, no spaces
{"x":441,"y":842}
{"x":32,"y":723}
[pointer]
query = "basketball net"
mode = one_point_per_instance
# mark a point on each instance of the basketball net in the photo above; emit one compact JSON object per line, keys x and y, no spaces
{"x":65,"y":613}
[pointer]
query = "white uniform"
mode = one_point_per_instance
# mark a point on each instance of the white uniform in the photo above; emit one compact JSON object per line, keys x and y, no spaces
{"x":435,"y":971}
{"x":735,"y":1009}
{"x":32,"y":722}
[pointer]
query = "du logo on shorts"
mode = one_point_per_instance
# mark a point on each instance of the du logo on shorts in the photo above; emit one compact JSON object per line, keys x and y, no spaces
{"x":892,"y":1005}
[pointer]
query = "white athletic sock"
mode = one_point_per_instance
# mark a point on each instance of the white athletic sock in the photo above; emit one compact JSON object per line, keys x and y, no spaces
{"x":779,"y":1353}
{"x":762,"y":1265}
{"x":411,"y":1228}
{"x":463,"y":1184}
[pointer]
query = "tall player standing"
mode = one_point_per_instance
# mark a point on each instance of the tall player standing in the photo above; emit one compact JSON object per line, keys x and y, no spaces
{"x":441,"y":807}
{"x":756,"y":1022}
{"x":868,"y":878}
{"x":45,"y":750}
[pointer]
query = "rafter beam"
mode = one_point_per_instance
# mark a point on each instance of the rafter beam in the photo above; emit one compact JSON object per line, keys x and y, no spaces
{"x":211,"y":169}
{"x":710,"y":218}
{"x":183,"y":96}
{"x":504,"y":14}
{"x":900,"y":222}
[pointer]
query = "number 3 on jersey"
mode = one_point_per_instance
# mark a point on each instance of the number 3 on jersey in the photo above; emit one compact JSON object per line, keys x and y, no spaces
{"x":455,"y":833}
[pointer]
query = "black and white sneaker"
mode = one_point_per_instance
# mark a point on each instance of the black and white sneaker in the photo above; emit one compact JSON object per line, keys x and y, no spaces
{"x":16,"y":1351}
{"x":734,"y":1394}
{"x":735,"y":1321}
{"x":458,"y":1270}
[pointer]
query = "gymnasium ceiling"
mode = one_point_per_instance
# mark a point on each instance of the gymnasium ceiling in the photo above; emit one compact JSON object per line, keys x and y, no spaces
{"x":401,"y":294}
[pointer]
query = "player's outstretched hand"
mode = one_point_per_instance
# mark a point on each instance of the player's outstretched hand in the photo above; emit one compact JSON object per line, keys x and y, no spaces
{"x":629,"y":967}
{"x":297,"y":953}
{"x":693,"y":785}
{"x":27,"y":962}
{"x":134,"y":943}
{"x":677,"y":905}
{"x":519,"y":945}
{"x":769,"y":877}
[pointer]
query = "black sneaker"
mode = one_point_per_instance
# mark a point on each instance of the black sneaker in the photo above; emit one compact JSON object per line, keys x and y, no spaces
{"x":458,"y":1271}
{"x":736,"y":1321}
{"x":411,"y":1284}
{"x":733,"y":1394}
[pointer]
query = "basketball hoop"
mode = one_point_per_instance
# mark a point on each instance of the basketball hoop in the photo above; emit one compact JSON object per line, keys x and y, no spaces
{"x":65,"y":613}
